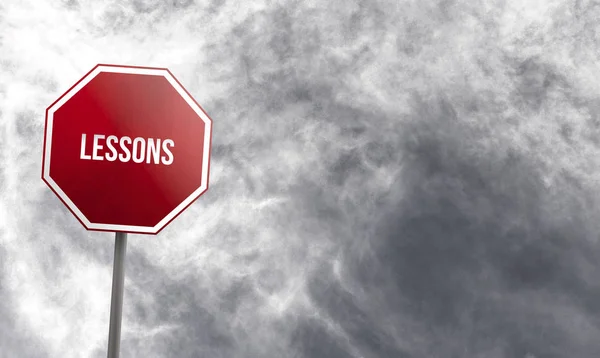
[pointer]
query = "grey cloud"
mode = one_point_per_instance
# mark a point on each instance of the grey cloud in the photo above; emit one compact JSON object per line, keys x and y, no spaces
{"x":388,"y":180}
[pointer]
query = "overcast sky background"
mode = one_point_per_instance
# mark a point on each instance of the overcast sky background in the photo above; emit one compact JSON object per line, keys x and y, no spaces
{"x":388,"y":179}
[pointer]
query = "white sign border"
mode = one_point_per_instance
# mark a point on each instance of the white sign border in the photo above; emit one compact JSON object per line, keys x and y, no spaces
{"x":205,"y":154}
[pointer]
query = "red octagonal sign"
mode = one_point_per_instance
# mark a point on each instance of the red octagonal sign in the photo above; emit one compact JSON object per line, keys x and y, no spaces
{"x":127,"y":149}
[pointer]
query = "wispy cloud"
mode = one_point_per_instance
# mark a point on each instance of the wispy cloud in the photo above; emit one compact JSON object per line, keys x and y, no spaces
{"x":389,"y":179}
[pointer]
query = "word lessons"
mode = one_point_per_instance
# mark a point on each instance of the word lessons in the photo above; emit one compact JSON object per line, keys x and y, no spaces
{"x":125,"y":149}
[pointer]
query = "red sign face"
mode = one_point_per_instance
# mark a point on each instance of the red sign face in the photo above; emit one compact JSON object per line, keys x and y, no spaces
{"x":127,"y":149}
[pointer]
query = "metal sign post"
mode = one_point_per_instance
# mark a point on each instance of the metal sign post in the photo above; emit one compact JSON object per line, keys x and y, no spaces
{"x":116,"y":302}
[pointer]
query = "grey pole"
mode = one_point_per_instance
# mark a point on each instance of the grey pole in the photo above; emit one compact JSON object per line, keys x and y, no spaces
{"x":116,"y":301}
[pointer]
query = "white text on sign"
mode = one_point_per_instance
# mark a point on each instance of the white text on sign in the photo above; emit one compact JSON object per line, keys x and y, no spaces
{"x":125,"y":149}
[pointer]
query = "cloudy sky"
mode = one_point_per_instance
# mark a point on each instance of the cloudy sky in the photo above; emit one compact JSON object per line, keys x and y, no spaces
{"x":389,"y":178}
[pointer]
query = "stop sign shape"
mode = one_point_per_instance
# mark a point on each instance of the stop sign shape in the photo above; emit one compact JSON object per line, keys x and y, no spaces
{"x":127,"y":149}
